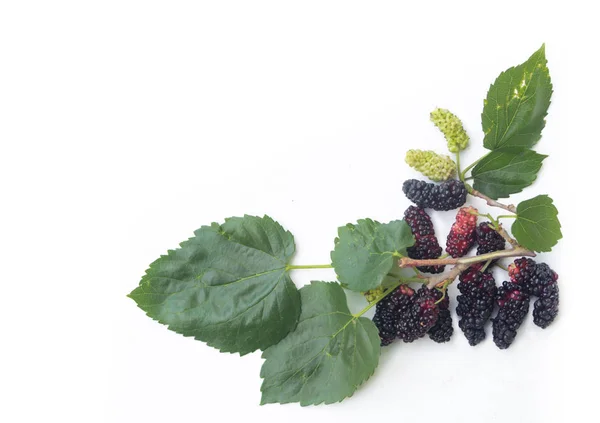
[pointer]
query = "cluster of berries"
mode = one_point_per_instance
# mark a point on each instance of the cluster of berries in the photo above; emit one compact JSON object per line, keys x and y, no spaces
{"x":409,"y":315}
{"x":527,"y":278}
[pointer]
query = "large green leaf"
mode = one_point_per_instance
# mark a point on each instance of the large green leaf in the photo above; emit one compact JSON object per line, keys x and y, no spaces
{"x":329,"y":355}
{"x":537,"y":226}
{"x":517,"y":103}
{"x":366,"y":252}
{"x":227,"y":286}
{"x":506,"y":171}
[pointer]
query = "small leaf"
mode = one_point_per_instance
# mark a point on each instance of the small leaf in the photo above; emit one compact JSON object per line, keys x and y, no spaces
{"x":366,"y":252}
{"x":227,"y":286}
{"x":517,"y":103}
{"x":506,"y":171}
{"x":329,"y":355}
{"x":537,"y":226}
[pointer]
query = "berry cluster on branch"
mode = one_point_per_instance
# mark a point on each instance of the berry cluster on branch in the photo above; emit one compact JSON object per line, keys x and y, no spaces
{"x":230,"y":285}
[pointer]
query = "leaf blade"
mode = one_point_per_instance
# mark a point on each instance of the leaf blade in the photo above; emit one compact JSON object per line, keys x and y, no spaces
{"x":227,"y":286}
{"x":342,"y":350}
{"x":517,"y":103}
{"x":366,"y":252}
{"x":506,"y":171}
{"x":537,"y":226}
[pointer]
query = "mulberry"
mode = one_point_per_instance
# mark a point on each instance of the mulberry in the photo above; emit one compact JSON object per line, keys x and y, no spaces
{"x":419,"y":317}
{"x":522,"y":270}
{"x":533,"y":276}
{"x":442,"y":330}
{"x":514,"y":306}
{"x":452,"y":128}
{"x":462,"y":234}
{"x":426,"y":244}
{"x":372,"y":294}
{"x":545,"y":308}
{"x":475,"y":303}
{"x":426,"y":248}
{"x":541,"y":281}
{"x":435,"y":166}
{"x":488,"y":240}
{"x":390,"y":310}
{"x":448,"y":195}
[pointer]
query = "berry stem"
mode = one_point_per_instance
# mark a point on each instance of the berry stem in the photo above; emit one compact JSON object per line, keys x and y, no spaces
{"x":388,"y":291}
{"x":507,"y":216}
{"x":513,"y":252}
{"x":460,"y":175}
{"x":491,"y":202}
{"x":489,"y":216}
{"x":471,"y":166}
{"x":507,"y":237}
{"x":485,"y":266}
{"x":442,"y":281}
{"x":308,"y":266}
{"x":443,"y":288}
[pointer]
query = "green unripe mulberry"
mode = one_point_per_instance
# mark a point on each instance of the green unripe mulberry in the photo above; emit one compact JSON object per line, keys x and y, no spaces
{"x":373,"y":294}
{"x":452,"y":128}
{"x":435,"y":166}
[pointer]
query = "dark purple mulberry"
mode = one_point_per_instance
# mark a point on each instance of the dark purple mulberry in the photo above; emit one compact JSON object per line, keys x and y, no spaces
{"x":514,"y":306}
{"x":442,"y":330}
{"x":488,"y":240}
{"x":475,"y":302}
{"x":448,"y":195}
{"x":426,"y":244}
{"x":389,"y":310}
{"x":462,"y":234}
{"x":419,"y":317}
{"x":426,"y":248}
{"x":419,"y":221}
{"x":533,"y":276}
{"x":545,"y":308}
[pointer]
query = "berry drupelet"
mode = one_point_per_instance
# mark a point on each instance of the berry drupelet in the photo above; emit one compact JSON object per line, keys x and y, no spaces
{"x":462,"y":234}
{"x":448,"y":195}
{"x":426,"y":244}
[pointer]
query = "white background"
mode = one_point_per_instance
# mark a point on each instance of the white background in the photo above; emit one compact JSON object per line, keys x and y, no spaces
{"x":125,"y":125}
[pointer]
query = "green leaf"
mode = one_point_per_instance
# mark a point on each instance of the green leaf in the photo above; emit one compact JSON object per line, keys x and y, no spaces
{"x":517,"y":103}
{"x":506,"y":171}
{"x":537,"y":226}
{"x":329,"y":355}
{"x":227,"y":286}
{"x":364,"y":253}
